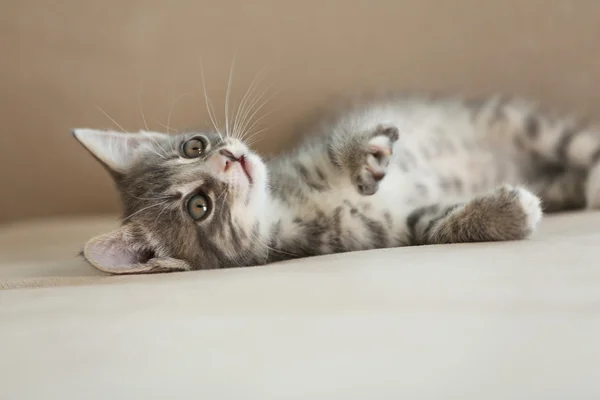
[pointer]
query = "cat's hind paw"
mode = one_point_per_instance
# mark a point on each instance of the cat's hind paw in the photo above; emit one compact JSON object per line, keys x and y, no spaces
{"x":508,"y":213}
{"x":375,"y":160}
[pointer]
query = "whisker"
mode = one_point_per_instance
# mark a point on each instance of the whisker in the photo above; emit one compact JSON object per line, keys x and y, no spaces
{"x":245,"y":98}
{"x":172,"y":146}
{"x":249,"y":130}
{"x":166,"y":127}
{"x":157,"y":143}
{"x":157,"y":153}
{"x":250,"y":109}
{"x":227,"y":132}
{"x":165,"y":208}
{"x":144,"y":209}
{"x":212,"y":109}
{"x":142,"y":111}
{"x":251,"y":117}
{"x":171,"y":110}
{"x":209,"y":106}
{"x":252,"y":140}
{"x":110,"y":118}
{"x":219,"y":197}
{"x":255,"y":237}
{"x":162,"y":197}
{"x":247,"y":118}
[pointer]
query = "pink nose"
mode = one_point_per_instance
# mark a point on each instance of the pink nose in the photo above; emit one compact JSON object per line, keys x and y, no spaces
{"x":228,"y":155}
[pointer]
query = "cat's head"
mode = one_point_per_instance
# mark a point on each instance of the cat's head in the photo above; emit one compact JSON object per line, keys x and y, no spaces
{"x":190,"y":201}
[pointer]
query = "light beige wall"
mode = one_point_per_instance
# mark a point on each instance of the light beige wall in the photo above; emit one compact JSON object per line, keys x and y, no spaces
{"x":59,"y":60}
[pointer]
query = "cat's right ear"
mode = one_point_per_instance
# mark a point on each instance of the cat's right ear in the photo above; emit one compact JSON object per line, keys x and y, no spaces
{"x":116,"y":151}
{"x":118,"y":252}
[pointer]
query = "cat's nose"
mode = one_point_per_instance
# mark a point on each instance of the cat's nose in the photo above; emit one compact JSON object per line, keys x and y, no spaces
{"x":228,"y":154}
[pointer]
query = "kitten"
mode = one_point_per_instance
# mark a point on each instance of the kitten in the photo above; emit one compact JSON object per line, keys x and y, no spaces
{"x":394,"y":171}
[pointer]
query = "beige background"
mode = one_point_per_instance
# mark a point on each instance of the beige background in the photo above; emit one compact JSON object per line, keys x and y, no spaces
{"x":61,"y":60}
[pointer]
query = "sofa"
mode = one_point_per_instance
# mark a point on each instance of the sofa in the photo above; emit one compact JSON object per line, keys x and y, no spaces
{"x":518,"y":320}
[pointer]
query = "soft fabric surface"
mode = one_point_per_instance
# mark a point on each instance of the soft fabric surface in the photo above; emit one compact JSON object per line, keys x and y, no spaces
{"x":517,"y":320}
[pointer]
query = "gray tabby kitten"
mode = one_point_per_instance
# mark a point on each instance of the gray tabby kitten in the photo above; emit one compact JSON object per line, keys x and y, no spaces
{"x":389,"y":172}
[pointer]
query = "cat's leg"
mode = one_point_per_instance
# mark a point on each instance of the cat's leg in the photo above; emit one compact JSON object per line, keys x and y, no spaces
{"x":365,"y":156}
{"x":508,"y":213}
{"x":549,"y":139}
{"x":564,"y":190}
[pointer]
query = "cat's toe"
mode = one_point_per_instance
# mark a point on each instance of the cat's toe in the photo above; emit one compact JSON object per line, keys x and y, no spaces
{"x":366,"y":182}
{"x":375,"y":159}
{"x":389,"y":131}
{"x":532,"y":208}
{"x":380,"y":147}
{"x":376,"y":165}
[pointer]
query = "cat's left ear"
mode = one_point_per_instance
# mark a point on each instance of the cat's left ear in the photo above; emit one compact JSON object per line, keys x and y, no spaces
{"x":117,"y":151}
{"x":117,"y":252}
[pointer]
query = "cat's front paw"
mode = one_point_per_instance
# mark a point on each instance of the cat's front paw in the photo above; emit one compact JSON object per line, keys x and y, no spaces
{"x":375,"y":160}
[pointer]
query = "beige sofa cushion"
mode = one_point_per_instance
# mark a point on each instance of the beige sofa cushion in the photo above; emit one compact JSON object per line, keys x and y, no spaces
{"x":517,"y":320}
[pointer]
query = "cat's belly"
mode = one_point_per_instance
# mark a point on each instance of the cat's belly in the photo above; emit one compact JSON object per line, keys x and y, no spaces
{"x":451,"y":174}
{"x":341,"y":219}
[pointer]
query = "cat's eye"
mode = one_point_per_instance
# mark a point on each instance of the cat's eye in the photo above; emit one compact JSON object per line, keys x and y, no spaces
{"x":194,"y":147}
{"x":198,"y":207}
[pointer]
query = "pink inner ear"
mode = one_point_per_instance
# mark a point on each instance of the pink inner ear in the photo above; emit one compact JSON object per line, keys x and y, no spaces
{"x":111,"y":253}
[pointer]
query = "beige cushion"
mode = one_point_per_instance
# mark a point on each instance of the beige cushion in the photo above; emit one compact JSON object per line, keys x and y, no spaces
{"x":516,"y":320}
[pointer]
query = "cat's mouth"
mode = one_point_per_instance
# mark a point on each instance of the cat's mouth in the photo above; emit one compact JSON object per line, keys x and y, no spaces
{"x":242,"y":160}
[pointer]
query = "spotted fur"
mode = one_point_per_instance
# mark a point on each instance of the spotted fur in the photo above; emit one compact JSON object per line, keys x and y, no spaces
{"x":395,"y":171}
